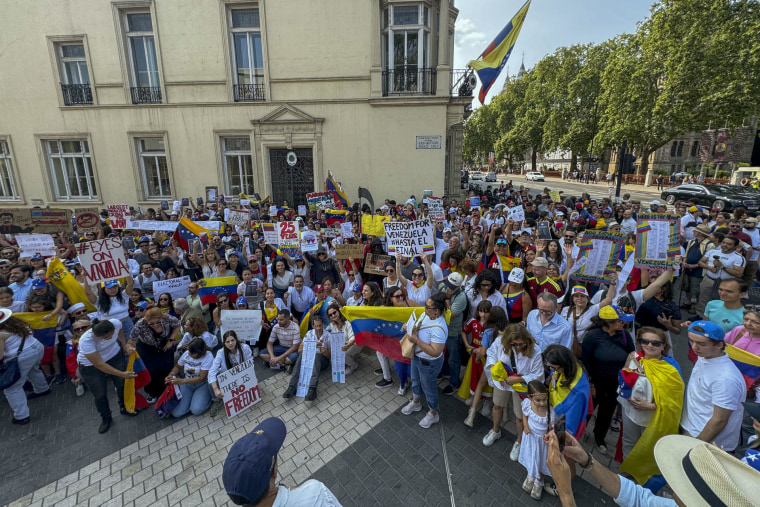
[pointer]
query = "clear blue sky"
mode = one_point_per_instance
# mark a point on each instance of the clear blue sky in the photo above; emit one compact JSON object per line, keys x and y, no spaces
{"x":549,"y":24}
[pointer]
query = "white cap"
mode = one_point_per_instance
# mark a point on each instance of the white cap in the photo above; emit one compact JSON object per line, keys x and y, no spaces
{"x":517,"y":275}
{"x":655,"y":202}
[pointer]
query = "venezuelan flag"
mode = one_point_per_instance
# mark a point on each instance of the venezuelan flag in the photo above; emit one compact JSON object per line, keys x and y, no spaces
{"x":586,"y":245}
{"x":643,"y":227}
{"x":574,"y":402}
{"x":188,"y":230}
{"x":333,"y":216}
{"x":339,"y":195}
{"x":320,"y":308}
{"x":428,"y":249}
{"x":66,"y":283}
{"x":747,"y":363}
{"x":497,"y":53}
{"x":668,"y":390}
{"x":501,"y":371}
{"x":210,"y":287}
{"x":132,"y":399}
{"x":44,"y":331}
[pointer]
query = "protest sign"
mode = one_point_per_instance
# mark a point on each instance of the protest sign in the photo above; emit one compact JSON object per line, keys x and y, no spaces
{"x":103,"y":260}
{"x":410,"y":238}
{"x":245,"y":202}
{"x":656,"y":240}
{"x":150,"y":225}
{"x":118,"y":215}
{"x":346,"y":251}
{"x":544,"y":231}
{"x":435,"y":209}
{"x":475,"y":202}
{"x":517,"y":213}
{"x":320,"y":200}
{"x":307,"y":364}
{"x":375,"y":264}
{"x":372,"y":225}
{"x":346,"y":230}
{"x":287,"y":237}
{"x":555,"y":196}
{"x":302,"y":210}
{"x":51,"y":220}
{"x":128,"y":243}
{"x":87,"y":220}
{"x":177,"y":206}
{"x":211,"y":194}
{"x":31,"y":244}
{"x":272,"y":211}
{"x":309,"y":241}
{"x":338,"y":357}
{"x":240,"y":388}
{"x":176,"y":287}
{"x":209,"y":225}
{"x":15,"y":221}
{"x":246,"y":323}
{"x":271,"y":234}
{"x":602,"y":252}
{"x":238,"y":217}
{"x":331,"y":232}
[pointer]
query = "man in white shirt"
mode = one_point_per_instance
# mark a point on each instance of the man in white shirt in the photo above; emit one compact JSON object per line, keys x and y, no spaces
{"x":628,"y":224}
{"x":441,"y":245}
{"x":712,"y":409}
{"x":750,"y":229}
{"x":298,"y":297}
{"x":689,"y":221}
{"x":719,"y":264}
{"x":144,"y":281}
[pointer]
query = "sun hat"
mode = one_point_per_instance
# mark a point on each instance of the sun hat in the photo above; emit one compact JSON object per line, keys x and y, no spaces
{"x":579,"y":289}
{"x":703,"y":475}
{"x":614,"y":312}
{"x":751,"y":219}
{"x":517,"y":275}
{"x":5,"y":314}
{"x":248,"y":469}
{"x":540,"y":262}
{"x":453,"y":281}
{"x":703,"y":229}
{"x":707,"y":329}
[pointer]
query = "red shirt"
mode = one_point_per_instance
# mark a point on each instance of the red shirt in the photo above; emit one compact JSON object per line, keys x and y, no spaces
{"x":475,"y":329}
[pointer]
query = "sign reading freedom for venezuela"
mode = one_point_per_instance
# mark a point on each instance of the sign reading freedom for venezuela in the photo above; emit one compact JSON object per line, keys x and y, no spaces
{"x":410,"y":238}
{"x":103,"y":259}
{"x":239,"y":387}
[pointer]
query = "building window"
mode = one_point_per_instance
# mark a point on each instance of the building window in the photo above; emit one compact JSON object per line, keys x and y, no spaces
{"x":673,"y":148}
{"x":143,"y":66}
{"x":75,"y":80}
{"x":406,"y":50}
{"x":680,"y":149}
{"x":7,"y":185}
{"x":71,"y":169}
{"x":153,"y":167}
{"x":238,"y":165}
{"x":247,"y":54}
{"x":694,"y":148}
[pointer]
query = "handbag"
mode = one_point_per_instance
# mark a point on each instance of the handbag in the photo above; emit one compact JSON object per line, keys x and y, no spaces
{"x":407,"y":347}
{"x":9,"y":370}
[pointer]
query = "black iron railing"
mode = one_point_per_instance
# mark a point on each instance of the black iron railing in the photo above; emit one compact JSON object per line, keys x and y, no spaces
{"x":76,"y":94}
{"x":463,"y":82}
{"x":146,"y":94}
{"x":249,"y":92}
{"x":409,"y":80}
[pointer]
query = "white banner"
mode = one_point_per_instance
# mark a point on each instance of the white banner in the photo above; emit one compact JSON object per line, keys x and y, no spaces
{"x":151,"y":225}
{"x":31,"y":244}
{"x":176,"y":287}
{"x":238,"y":217}
{"x":246,"y":323}
{"x":338,"y":357}
{"x":103,"y":260}
{"x":240,"y":388}
{"x":410,"y":238}
{"x":271,"y":234}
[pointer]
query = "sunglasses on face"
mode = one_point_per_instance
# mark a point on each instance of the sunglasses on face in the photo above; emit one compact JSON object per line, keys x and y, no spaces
{"x":80,"y":312}
{"x":398,"y":296}
{"x":390,"y":270}
{"x":332,"y":314}
{"x":82,"y":328}
{"x":416,"y":274}
{"x":163,"y":299}
{"x":653,"y":343}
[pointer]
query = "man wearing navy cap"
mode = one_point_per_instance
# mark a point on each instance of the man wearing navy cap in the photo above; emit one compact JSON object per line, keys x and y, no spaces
{"x":250,"y":472}
{"x":712,"y":409}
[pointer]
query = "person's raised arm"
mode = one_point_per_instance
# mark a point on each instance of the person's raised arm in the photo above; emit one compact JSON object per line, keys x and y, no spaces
{"x":428,"y":271}
{"x":659,"y":282}
{"x":404,"y":281}
{"x":491,"y":240}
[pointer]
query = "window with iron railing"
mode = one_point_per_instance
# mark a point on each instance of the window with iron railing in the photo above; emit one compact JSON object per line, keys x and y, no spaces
{"x":405,"y":48}
{"x":143,"y":65}
{"x":247,"y":54}
{"x":75,"y":79}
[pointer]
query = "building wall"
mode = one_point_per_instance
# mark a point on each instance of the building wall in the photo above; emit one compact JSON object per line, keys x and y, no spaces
{"x":322,"y":90}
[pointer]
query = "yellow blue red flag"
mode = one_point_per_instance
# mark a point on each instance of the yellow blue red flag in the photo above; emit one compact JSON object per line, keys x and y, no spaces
{"x":497,"y":53}
{"x":43,"y":330}
{"x":339,"y":195}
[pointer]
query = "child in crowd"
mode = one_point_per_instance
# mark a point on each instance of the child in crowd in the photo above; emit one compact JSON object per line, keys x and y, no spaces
{"x":537,"y":419}
{"x":495,"y":324}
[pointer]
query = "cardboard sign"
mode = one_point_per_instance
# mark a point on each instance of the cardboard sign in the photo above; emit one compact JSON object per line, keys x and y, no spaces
{"x":52,"y":220}
{"x":87,"y":220}
{"x":374,"y":264}
{"x":103,"y":260}
{"x":118,"y":215}
{"x":309,"y":242}
{"x":435,"y":209}
{"x":555,"y":196}
{"x":176,"y":287}
{"x":238,"y":217}
{"x":31,"y":244}
{"x":344,"y":251}
{"x":372,"y":225}
{"x":410,"y":238}
{"x":246,"y":323}
{"x":240,"y":388}
{"x":15,"y":221}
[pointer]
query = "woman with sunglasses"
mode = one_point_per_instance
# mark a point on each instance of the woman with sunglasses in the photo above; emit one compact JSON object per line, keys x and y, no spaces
{"x":166,"y":304}
{"x":338,"y":324}
{"x":112,"y":303}
{"x":391,"y":276}
{"x":397,"y":298}
{"x":486,"y":288}
{"x":223,"y":302}
{"x":156,"y":335}
{"x":420,"y":287}
{"x":233,"y":353}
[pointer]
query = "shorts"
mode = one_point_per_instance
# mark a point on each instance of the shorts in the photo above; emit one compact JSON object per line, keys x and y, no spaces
{"x":501,"y":399}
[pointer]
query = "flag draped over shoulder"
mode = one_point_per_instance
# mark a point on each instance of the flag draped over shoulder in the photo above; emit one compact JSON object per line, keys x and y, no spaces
{"x":188,"y":230}
{"x":132,"y":399}
{"x":668,"y":390}
{"x":497,"y":53}
{"x":44,"y":331}
{"x":65,"y":282}
{"x":339,"y":195}
{"x":574,"y":402}
{"x":209,"y":288}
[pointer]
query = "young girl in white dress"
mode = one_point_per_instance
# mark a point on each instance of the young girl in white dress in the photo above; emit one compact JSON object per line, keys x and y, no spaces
{"x":537,"y":417}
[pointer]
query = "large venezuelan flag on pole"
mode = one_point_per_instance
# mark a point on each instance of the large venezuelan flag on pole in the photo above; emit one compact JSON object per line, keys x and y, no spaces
{"x":211,"y":287}
{"x":339,"y":195}
{"x":497,"y":53}
{"x":44,"y":331}
{"x":574,"y":402}
{"x":132,"y":399}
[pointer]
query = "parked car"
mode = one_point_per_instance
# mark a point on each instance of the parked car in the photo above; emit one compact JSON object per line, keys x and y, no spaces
{"x":476,"y":175}
{"x":491,"y":177}
{"x":723,"y":197}
{"x":534,"y":176}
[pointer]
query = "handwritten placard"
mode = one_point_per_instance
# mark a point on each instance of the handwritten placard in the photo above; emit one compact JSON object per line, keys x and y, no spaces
{"x":309,"y":242}
{"x":118,"y":215}
{"x":176,"y":287}
{"x":372,"y":225}
{"x":656,"y":240}
{"x":246,"y":323}
{"x":31,"y":244}
{"x":374,"y":264}
{"x":435,"y":209}
{"x":240,"y":388}
{"x":103,"y":260}
{"x":238,"y":217}
{"x":410,"y":238}
{"x":347,"y":251}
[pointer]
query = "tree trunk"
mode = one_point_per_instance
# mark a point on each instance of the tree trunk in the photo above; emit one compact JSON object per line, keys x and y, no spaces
{"x":533,"y":157}
{"x":573,"y":162}
{"x":644,"y":167}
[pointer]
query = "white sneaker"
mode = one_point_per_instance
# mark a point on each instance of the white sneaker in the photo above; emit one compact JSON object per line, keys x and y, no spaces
{"x":527,"y":485}
{"x":515,"y":451}
{"x":411,"y":407}
{"x":80,"y":390}
{"x":485,"y":410}
{"x":535,"y":494}
{"x":403,"y":389}
{"x":491,"y":437}
{"x":468,"y":401}
{"x":429,"y":420}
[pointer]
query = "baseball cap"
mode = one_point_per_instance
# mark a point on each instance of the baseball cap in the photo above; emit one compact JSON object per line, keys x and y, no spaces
{"x":540,"y":262}
{"x":235,"y":253}
{"x":655,"y":202}
{"x":707,"y":329}
{"x":5,"y":314}
{"x":693,"y":209}
{"x":751,"y":219}
{"x":3,"y":262}
{"x":39,"y":283}
{"x":241,"y":301}
{"x":143,"y":239}
{"x":579,"y":289}
{"x":452,"y":210}
{"x":321,"y":249}
{"x":446,"y":229}
{"x":317,"y":288}
{"x":579,"y":205}
{"x":517,"y":275}
{"x":298,"y":256}
{"x":501,"y":241}
{"x":356,"y":288}
{"x":111,"y":284}
{"x":142,"y":304}
{"x":453,"y":281}
{"x":38,"y":257}
{"x":614,"y":312}
{"x":249,"y":466}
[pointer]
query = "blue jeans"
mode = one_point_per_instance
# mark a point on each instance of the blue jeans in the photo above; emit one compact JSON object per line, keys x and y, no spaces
{"x":279,"y":350}
{"x":29,"y":367}
{"x":196,"y":398}
{"x":127,"y":325}
{"x":453,"y":359}
{"x":424,"y":379}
